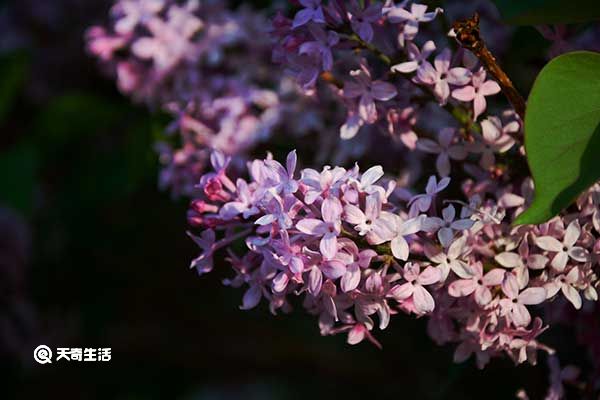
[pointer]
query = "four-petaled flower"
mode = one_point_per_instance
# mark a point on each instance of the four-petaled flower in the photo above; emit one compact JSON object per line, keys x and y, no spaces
{"x":442,"y":76}
{"x":513,"y":307}
{"x":411,"y":19}
{"x":368,"y":91}
{"x":566,"y":249}
{"x":416,"y":57}
{"x":415,"y":280}
{"x":495,"y":139}
{"x":400,"y":230}
{"x":444,"y":149}
{"x":321,"y":46}
{"x":476,"y":92}
{"x":312,"y":11}
{"x":478,"y":283}
{"x":446,"y":225}
{"x":422,"y":202}
{"x":566,"y":284}
{"x":362,"y":20}
{"x":328,"y":229}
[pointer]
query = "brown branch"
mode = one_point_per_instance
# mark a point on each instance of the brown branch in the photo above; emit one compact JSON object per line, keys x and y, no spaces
{"x":469,"y":37}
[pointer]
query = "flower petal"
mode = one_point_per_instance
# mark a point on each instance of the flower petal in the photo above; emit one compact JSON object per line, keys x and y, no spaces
{"x":532,"y":296}
{"x":572,"y":295}
{"x":423,"y":301}
{"x":400,"y":248}
{"x":462,"y":287}
{"x":509,"y":260}
{"x":548,"y":243}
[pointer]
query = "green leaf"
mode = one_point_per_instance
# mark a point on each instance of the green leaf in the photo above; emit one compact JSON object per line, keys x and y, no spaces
{"x":562,"y":133}
{"x":539,"y":12}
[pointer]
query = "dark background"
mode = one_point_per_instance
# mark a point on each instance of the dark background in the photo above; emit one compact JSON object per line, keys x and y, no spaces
{"x":100,"y":257}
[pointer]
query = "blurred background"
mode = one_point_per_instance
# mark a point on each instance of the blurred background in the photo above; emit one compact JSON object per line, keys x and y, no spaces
{"x":92,"y":254}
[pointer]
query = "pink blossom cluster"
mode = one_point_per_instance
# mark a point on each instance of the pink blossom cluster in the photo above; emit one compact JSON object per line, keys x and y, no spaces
{"x":357,"y":247}
{"x":399,"y":67}
{"x":358,"y":251}
{"x":202,"y":64}
{"x":209,"y":68}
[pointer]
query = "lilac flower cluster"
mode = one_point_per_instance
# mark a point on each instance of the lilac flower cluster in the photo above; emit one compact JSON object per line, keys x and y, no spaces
{"x":357,"y":247}
{"x":208,"y":67}
{"x":353,"y":250}
{"x":387,"y":35}
{"x":200,"y":63}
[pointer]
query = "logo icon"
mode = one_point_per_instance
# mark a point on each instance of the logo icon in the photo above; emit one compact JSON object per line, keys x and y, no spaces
{"x":42,"y":354}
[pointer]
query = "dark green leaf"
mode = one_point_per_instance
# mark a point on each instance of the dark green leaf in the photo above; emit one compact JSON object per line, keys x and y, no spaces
{"x":540,"y":12}
{"x":562,"y":133}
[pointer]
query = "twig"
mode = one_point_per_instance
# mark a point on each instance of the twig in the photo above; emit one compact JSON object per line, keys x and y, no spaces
{"x":469,"y":37}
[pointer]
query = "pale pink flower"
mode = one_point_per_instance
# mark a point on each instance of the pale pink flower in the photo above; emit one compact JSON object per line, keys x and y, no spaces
{"x":416,"y":57}
{"x":444,"y":149}
{"x":446,"y":225}
{"x":133,"y":12}
{"x":358,"y":333}
{"x":366,"y":183}
{"x":288,"y":254}
{"x":513,"y":306}
{"x":566,"y":249}
{"x":319,"y":183}
{"x":280,"y":211}
{"x":400,"y":230}
{"x":284,"y":177}
{"x":102,"y":44}
{"x":567,"y":285}
{"x":477,"y":283}
{"x":476,"y":92}
{"x":327,"y":229}
{"x":411,"y":19}
{"x":401,"y":124}
{"x":449,"y":259}
{"x":495,"y":139}
{"x":243,"y":205}
{"x":522,"y":259}
{"x":368,"y":91}
{"x":442,"y":76}
{"x":415,"y":280}
{"x":363,"y":221}
{"x":422,"y":202}
{"x":350,"y":262}
{"x":170,"y":42}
